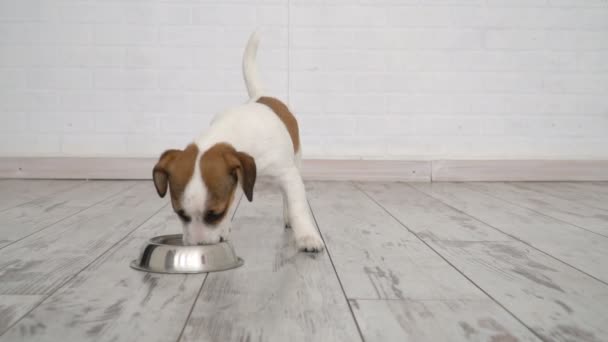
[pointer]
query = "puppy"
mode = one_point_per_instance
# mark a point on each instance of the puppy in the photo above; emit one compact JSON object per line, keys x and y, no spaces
{"x":258,"y":138}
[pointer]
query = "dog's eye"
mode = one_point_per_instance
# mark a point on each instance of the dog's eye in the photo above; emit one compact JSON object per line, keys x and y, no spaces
{"x":212,"y":217}
{"x":182,"y":215}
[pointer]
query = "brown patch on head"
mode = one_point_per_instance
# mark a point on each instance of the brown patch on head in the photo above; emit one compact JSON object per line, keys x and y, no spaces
{"x":174,"y":169}
{"x":281,"y":110}
{"x":222,"y":167}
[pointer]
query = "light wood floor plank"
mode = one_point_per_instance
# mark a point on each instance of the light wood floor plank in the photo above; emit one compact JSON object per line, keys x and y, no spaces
{"x":27,"y":218}
{"x":600,"y":187}
{"x":553,"y":299}
{"x":584,"y":193}
{"x":592,"y":219}
{"x":109,"y":301}
{"x":375,"y":257}
{"x":437,"y":320}
{"x":12,"y":308}
{"x":279,"y":294}
{"x":582,"y":249}
{"x":43,"y":261}
{"x":18,"y":191}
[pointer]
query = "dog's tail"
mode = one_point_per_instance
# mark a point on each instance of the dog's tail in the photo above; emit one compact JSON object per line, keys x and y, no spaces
{"x":250,"y":70}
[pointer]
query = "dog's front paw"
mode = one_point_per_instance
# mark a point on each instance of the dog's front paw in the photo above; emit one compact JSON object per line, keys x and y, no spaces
{"x":310,"y":243}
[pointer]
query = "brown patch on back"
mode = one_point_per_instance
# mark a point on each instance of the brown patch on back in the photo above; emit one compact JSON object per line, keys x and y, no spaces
{"x":175,"y":167}
{"x":281,"y":110}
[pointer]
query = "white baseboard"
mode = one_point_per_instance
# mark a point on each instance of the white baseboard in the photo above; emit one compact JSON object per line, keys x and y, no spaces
{"x":141,"y":168}
{"x":519,"y":170}
{"x":367,"y":170}
{"x":73,"y":167}
{"x":316,"y":169}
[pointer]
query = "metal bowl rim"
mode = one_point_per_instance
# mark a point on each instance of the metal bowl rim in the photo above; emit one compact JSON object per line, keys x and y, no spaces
{"x":157,"y":242}
{"x":154,"y":241}
{"x":135,"y":265}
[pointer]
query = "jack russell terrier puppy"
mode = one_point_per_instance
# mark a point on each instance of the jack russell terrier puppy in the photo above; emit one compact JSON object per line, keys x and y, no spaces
{"x":257,"y":138}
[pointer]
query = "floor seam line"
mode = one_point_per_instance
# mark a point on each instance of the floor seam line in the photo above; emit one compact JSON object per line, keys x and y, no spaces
{"x":421,"y":299}
{"x":200,"y":290}
{"x":331,"y":261}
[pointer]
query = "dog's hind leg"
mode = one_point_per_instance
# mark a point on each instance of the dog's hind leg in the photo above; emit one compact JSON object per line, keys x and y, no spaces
{"x":304,"y":230}
{"x":298,"y":165}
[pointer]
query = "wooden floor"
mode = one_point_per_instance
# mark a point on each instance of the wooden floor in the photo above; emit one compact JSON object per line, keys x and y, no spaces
{"x":404,"y":262}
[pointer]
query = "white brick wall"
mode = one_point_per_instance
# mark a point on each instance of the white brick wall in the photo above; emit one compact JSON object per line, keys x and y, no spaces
{"x":452,"y":78}
{"x":405,"y":79}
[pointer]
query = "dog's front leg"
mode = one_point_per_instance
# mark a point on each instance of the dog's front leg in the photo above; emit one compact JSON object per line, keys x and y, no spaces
{"x":306,"y":234}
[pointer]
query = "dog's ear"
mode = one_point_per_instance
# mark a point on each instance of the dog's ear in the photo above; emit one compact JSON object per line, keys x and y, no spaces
{"x":244,"y":166}
{"x":160,"y":173}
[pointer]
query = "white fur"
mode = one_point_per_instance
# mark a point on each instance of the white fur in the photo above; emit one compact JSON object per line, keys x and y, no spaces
{"x":255,"y":129}
{"x":196,"y":231}
{"x":250,"y":71}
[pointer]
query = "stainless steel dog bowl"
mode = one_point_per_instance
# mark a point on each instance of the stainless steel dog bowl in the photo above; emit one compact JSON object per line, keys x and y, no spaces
{"x":167,"y":254}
